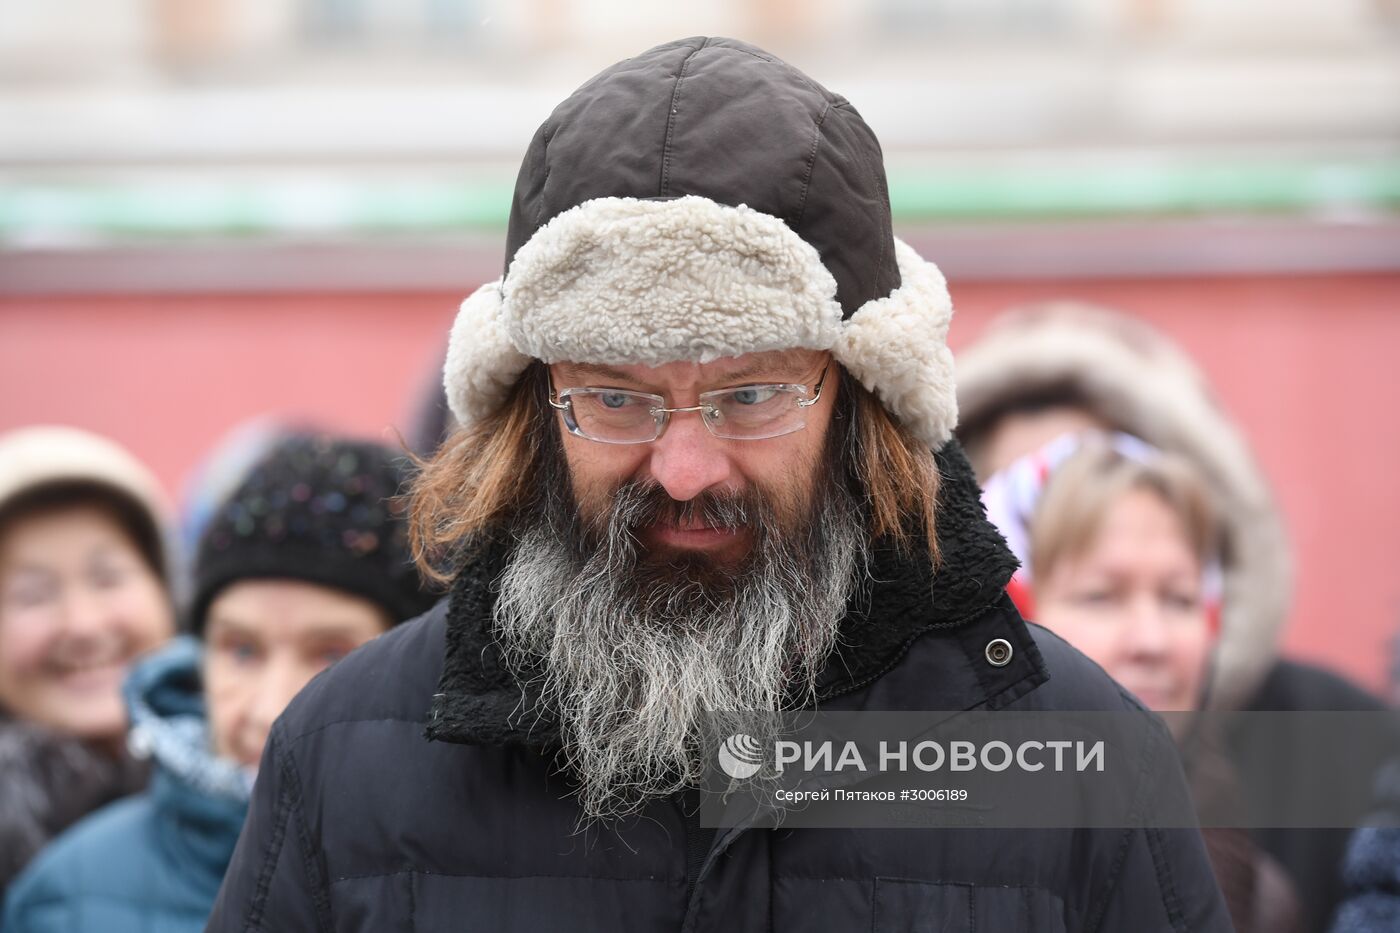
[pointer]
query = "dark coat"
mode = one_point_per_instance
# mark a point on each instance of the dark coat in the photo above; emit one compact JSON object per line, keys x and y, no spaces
{"x":1313,"y":858}
{"x":361,"y":821}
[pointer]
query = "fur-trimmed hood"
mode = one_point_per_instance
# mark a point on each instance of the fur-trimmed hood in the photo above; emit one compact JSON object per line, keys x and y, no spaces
{"x":1139,"y":382}
{"x":705,"y":200}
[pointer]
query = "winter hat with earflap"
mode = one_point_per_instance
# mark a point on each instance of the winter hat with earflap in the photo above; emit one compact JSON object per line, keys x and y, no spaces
{"x":707,"y":200}
{"x":319,"y":509}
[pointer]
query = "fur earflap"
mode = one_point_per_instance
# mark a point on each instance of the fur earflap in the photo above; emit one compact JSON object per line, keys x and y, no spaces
{"x":897,"y":346}
{"x":482,"y":363}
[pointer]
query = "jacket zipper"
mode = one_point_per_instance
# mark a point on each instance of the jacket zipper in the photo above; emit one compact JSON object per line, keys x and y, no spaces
{"x":698,"y":840}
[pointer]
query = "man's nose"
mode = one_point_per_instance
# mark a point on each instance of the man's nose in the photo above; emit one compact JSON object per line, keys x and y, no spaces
{"x":688,"y":459}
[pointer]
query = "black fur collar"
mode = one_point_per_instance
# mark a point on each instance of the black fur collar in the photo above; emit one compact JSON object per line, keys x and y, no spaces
{"x":480,"y":702}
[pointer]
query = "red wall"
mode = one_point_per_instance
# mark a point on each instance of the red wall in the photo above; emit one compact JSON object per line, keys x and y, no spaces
{"x":1308,"y":366}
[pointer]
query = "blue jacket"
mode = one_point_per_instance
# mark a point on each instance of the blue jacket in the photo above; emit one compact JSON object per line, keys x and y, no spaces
{"x":150,"y":863}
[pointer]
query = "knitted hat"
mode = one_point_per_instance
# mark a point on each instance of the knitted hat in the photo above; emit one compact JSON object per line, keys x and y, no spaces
{"x":707,"y":200}
{"x":52,"y":457}
{"x":317,"y":509}
{"x":222,"y":467}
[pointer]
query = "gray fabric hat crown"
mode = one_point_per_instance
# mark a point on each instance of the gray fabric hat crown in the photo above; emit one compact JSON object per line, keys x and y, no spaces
{"x":699,"y":201}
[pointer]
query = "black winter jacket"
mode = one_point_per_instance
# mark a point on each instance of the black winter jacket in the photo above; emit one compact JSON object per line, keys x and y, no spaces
{"x":405,"y":790}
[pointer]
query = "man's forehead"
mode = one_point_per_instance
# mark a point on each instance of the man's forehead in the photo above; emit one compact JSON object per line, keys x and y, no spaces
{"x":774,"y":365}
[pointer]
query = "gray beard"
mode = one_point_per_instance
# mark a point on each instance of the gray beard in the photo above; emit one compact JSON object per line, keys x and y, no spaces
{"x":648,"y":662}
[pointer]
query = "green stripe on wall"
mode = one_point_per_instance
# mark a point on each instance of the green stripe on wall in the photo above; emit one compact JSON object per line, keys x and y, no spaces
{"x":44,"y":213}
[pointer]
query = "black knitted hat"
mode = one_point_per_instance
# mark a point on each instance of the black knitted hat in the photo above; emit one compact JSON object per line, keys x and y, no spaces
{"x":318,"y":509}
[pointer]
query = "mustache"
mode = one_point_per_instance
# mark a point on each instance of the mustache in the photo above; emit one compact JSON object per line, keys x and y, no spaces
{"x":641,"y":504}
{"x":651,"y":505}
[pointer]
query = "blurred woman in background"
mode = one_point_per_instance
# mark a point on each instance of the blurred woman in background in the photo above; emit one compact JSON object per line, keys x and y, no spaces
{"x":1123,"y":554}
{"x":1040,"y":372}
{"x":83,"y":592}
{"x":305,"y":561}
{"x":1119,"y":545}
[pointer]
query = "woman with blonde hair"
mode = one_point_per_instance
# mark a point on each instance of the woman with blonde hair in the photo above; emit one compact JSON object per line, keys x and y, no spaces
{"x":1120,"y":555}
{"x":1121,"y":542}
{"x":1039,"y":372}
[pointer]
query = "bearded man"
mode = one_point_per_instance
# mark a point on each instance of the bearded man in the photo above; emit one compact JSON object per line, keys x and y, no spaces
{"x":703,"y":465}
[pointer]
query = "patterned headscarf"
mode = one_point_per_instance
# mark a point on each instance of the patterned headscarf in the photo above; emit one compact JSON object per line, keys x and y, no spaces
{"x":1012,"y":494}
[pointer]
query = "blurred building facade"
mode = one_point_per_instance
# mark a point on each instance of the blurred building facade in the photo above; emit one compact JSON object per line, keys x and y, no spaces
{"x":1110,"y":106}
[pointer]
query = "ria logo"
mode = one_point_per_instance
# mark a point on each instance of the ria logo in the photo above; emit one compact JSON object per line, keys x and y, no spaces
{"x":740,"y":756}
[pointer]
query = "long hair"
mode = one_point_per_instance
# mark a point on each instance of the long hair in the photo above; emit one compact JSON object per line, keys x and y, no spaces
{"x":483,"y":476}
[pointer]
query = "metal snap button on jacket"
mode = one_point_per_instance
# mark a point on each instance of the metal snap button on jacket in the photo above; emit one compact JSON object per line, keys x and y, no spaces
{"x":998,"y":652}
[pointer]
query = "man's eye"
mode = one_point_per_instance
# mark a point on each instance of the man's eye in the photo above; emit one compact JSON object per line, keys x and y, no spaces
{"x":752,"y":396}
{"x":613,"y":399}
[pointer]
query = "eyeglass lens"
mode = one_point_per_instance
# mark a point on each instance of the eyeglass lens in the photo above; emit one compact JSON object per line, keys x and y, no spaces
{"x":748,"y":412}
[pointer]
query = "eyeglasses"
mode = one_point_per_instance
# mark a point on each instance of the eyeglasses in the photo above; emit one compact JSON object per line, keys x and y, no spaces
{"x":746,"y":413}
